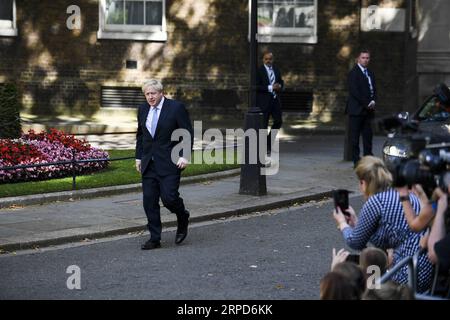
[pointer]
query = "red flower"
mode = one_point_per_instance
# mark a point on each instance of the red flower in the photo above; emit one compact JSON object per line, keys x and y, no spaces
{"x":16,"y":152}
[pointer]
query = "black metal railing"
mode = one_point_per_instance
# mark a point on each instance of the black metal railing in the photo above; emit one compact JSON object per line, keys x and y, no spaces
{"x":72,"y":162}
{"x":412,"y":263}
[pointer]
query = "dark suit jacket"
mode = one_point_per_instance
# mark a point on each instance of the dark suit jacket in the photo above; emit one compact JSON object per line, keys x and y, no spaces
{"x":263,"y":96}
{"x":173,"y":116}
{"x":359,"y":92}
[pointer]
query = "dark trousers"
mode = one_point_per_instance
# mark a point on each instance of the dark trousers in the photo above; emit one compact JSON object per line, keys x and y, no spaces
{"x":155,"y":187}
{"x":360,"y":125}
{"x":273,"y":111}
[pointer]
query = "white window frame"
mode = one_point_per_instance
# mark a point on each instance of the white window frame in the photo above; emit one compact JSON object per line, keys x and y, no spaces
{"x":8,"y":28}
{"x":131,"y":32}
{"x":286,"y":35}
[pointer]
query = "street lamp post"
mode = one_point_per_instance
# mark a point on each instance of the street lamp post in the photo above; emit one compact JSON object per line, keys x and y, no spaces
{"x":252,"y":181}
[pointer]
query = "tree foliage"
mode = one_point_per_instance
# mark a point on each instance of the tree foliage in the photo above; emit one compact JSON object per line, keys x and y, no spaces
{"x":10,"y":126}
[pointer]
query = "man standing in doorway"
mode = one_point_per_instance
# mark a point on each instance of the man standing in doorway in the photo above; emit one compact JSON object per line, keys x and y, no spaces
{"x":361,"y":105}
{"x":158,"y":118}
{"x":269,"y":86}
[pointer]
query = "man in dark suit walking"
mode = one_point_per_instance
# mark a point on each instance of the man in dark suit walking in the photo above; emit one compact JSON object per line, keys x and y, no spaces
{"x":158,"y":118}
{"x":269,"y":85}
{"x":361,"y":105}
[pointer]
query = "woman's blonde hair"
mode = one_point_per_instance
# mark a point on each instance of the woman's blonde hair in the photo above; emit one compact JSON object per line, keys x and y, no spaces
{"x":374,"y":172}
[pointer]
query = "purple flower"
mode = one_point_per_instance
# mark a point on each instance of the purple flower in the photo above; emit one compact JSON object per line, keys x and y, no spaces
{"x":53,"y":151}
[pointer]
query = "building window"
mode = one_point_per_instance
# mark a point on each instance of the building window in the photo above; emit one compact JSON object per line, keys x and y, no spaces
{"x":132,"y":20}
{"x":287,"y":21}
{"x":8,"y":18}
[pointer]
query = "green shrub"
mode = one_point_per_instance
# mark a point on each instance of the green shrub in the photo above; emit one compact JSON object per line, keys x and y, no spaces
{"x":9,"y":112}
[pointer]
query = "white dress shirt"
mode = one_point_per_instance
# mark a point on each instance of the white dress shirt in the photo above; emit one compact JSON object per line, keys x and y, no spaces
{"x":269,"y":71}
{"x":363,"y":70}
{"x":148,"y":122}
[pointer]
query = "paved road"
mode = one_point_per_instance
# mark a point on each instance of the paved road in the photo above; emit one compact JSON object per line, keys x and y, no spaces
{"x":309,"y":167}
{"x":275,"y":255}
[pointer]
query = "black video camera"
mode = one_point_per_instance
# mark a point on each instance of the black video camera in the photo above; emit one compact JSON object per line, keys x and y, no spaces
{"x":428,"y":166}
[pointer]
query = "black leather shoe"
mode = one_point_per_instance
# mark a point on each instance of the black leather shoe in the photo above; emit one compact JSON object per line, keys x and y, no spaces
{"x":182,"y":229}
{"x":149,"y":245}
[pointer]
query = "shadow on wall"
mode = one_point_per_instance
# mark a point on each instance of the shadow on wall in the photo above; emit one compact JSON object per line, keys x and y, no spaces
{"x":51,"y":59}
{"x":59,"y":67}
{"x":202,"y":61}
{"x":72,"y":94}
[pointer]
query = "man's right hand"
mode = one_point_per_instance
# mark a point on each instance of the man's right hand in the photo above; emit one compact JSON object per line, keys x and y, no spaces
{"x":138,"y":165}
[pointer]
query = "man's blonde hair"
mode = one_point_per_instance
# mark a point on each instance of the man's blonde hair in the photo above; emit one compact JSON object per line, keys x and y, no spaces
{"x":154,"y":84}
{"x":373,"y":171}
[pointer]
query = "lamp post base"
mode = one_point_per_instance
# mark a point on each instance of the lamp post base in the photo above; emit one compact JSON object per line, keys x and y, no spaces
{"x":252,"y":181}
{"x":347,"y":141}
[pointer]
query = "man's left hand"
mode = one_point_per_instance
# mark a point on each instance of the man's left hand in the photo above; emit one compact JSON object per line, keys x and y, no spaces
{"x":182,"y":163}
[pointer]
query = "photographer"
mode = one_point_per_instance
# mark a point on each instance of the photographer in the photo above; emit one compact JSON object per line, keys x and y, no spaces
{"x":416,"y":222}
{"x":423,"y":220}
{"x":382,"y":221}
{"x":439,"y":238}
{"x":437,"y":241}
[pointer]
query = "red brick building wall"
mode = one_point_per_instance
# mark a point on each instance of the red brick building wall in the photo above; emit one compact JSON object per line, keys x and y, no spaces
{"x":204,"y":61}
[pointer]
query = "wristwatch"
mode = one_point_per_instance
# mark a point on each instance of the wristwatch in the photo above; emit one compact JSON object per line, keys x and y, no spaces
{"x":404,"y":198}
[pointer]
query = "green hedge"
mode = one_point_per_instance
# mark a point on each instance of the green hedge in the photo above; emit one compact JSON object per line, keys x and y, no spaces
{"x":9,"y":112}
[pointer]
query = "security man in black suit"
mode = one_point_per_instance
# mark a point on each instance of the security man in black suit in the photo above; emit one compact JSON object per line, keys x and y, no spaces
{"x":158,"y":118}
{"x":269,"y":85}
{"x":361,"y":105}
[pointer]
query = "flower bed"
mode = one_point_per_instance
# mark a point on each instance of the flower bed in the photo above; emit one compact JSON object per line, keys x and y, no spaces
{"x":47,"y":147}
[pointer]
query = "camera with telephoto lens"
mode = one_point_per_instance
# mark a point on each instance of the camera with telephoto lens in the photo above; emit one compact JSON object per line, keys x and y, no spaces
{"x":417,"y":150}
{"x":427,"y":166}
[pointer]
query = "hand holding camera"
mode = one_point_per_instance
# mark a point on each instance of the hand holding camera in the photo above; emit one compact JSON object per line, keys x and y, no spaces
{"x":343,"y":213}
{"x":442,"y":197}
{"x":349,"y":217}
{"x":340,"y":198}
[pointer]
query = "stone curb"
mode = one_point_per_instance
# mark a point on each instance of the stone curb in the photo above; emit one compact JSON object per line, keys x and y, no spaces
{"x":287,"y":202}
{"x":37,"y":199}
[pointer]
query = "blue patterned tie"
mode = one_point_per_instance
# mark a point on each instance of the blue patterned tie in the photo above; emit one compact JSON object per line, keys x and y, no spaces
{"x":272,"y":80}
{"x":154,"y":121}
{"x":370,"y":82}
